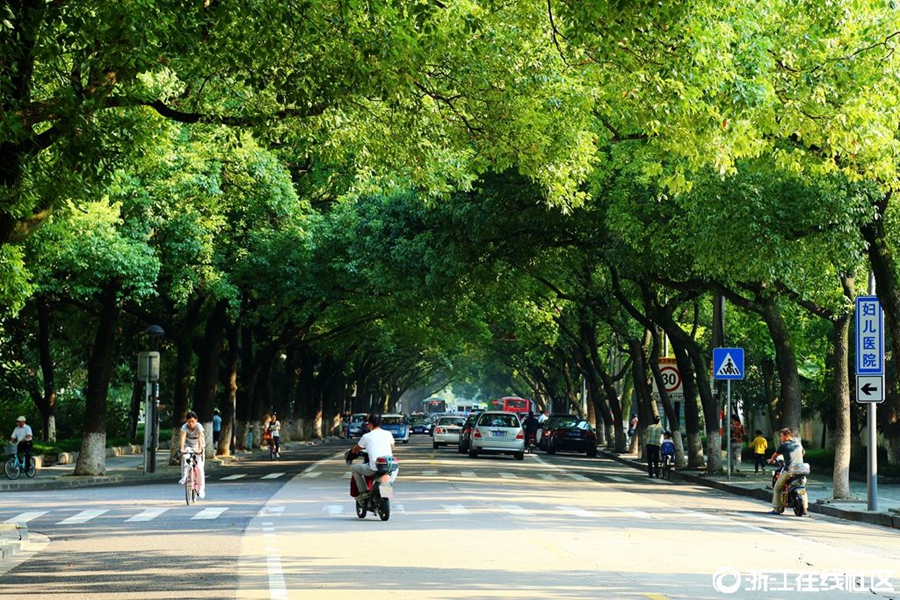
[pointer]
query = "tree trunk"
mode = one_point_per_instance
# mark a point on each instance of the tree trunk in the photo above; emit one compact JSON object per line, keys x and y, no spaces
{"x":842,"y":432}
{"x":786,"y":363}
{"x":184,"y":358}
{"x":767,"y":367}
{"x":92,"y":457}
{"x":47,"y":402}
{"x":230,"y":385}
{"x":209,"y":351}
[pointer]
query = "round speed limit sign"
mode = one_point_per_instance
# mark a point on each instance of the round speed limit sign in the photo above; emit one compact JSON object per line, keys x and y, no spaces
{"x":671,"y":377}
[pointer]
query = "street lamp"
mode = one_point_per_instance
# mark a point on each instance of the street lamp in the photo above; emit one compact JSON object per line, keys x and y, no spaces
{"x":148,"y":370}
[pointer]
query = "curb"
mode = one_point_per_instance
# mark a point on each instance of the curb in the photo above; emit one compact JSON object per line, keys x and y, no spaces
{"x":12,"y":538}
{"x":872,"y":518}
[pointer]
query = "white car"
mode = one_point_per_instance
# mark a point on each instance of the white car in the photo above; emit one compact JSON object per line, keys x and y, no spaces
{"x":358,"y":424}
{"x":446,"y":431}
{"x":497,"y":433}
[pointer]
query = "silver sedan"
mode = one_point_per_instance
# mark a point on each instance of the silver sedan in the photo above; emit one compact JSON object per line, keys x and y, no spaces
{"x":446,"y":431}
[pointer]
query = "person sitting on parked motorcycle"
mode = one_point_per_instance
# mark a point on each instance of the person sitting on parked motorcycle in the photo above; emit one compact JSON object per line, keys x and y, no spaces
{"x":376,"y":443}
{"x":531,"y":425}
{"x":792,"y":452}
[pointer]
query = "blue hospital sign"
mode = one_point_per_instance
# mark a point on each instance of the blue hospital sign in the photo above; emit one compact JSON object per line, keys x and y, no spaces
{"x":869,"y":336}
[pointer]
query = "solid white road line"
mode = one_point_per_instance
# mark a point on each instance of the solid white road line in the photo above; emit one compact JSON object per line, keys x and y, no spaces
{"x":233,"y":477}
{"x":272,"y":476}
{"x":28,"y":516}
{"x":207,"y":514}
{"x":147,"y":515}
{"x":277,"y":587}
{"x":82,"y":517}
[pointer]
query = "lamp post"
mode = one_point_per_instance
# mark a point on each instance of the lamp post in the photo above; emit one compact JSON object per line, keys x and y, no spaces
{"x":148,"y":370}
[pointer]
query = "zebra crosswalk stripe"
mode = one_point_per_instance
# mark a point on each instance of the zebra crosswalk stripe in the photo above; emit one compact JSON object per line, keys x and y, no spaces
{"x":147,"y":515}
{"x":208,"y":514}
{"x":82,"y":517}
{"x":272,"y":476}
{"x":28,"y":516}
{"x":455,"y":509}
{"x":233,"y":477}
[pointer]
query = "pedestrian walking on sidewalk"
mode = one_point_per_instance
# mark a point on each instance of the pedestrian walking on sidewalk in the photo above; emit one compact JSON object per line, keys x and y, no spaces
{"x":759,"y":445}
{"x":653,"y":436}
{"x":737,"y":442}
{"x":217,"y":427}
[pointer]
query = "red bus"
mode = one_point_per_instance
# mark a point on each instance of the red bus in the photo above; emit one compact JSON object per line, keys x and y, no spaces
{"x":514,"y":404}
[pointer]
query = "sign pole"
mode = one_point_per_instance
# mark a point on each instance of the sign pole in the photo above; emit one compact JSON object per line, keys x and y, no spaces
{"x":872,"y":449}
{"x":728,"y":431}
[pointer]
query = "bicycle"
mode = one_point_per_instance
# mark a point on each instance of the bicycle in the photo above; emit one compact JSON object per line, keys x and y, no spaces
{"x":192,"y":479}
{"x":14,"y":466}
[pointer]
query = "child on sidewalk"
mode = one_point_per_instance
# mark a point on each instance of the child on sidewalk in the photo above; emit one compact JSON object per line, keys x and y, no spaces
{"x":759,"y":445}
{"x":667,"y":453}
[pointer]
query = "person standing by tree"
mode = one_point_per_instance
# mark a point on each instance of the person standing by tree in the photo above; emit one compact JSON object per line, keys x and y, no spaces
{"x":217,"y":427}
{"x":653,"y":434}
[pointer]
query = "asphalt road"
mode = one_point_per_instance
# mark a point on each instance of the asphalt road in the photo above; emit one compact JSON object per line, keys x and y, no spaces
{"x":551,"y":527}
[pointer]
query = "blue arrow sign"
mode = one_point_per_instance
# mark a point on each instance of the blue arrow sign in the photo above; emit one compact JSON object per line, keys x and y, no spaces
{"x":869,"y":336}
{"x":728,"y":363}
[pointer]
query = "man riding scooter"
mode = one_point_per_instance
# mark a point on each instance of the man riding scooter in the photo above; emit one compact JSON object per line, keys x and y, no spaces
{"x":376,"y":444}
{"x":792,"y":453}
{"x":530,"y":427}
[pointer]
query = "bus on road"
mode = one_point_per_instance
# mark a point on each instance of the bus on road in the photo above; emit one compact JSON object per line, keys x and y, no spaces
{"x":514,"y":404}
{"x":434,"y":405}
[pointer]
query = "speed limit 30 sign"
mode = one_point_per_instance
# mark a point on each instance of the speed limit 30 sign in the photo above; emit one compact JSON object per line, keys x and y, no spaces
{"x":671,"y":378}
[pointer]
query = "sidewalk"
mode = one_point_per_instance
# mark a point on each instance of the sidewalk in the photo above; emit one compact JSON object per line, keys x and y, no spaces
{"x":125,"y":466}
{"x":819,"y":489}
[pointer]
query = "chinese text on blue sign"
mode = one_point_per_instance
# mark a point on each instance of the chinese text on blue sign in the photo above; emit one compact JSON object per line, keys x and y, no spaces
{"x":869,"y":336}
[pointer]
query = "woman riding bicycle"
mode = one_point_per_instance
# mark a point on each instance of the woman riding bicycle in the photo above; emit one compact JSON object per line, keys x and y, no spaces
{"x":192,"y":437}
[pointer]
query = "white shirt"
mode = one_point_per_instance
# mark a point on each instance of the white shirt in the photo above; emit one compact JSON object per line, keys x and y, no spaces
{"x":192,"y":438}
{"x":377,"y":443}
{"x":20,"y":433}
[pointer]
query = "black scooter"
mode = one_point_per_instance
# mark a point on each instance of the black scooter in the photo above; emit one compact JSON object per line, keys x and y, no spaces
{"x":381,"y":490}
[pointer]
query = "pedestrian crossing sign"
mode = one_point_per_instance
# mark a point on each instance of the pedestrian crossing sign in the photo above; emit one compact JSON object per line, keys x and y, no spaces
{"x":728,"y":363}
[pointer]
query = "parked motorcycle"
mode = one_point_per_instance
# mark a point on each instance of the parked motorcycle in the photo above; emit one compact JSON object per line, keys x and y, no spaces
{"x":794,"y":489}
{"x":380,"y":487}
